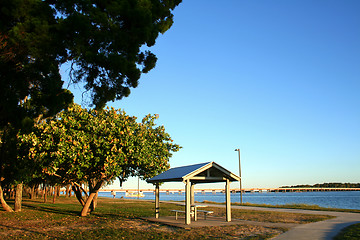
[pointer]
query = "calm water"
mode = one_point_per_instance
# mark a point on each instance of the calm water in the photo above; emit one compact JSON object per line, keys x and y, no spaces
{"x":347,"y":200}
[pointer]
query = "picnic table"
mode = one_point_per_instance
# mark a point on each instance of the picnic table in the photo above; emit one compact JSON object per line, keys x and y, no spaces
{"x":194,"y":210}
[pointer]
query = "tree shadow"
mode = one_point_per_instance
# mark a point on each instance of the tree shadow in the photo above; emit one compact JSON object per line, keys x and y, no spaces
{"x":60,"y":211}
{"x":26,"y":230}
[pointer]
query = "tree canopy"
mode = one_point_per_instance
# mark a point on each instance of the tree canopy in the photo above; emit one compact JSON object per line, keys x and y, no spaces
{"x":108,"y":39}
{"x":106,"y":43}
{"x":30,"y":80}
{"x":103,"y":41}
{"x":97,"y":147}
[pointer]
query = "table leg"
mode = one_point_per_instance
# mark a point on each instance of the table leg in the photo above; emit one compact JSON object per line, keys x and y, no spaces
{"x":195,"y":213}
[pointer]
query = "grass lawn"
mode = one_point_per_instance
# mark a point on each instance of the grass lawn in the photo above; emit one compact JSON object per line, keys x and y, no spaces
{"x":120,"y":219}
{"x":293,"y":206}
{"x":350,"y":233}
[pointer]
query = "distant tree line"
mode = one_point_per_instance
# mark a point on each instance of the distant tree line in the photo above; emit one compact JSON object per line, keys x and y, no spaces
{"x":327,"y":185}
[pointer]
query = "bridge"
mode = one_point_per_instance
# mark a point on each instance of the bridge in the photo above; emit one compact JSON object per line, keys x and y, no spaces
{"x":236,"y":190}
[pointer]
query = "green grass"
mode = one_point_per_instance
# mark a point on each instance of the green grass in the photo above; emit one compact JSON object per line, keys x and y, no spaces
{"x":120,"y":219}
{"x":350,"y":233}
{"x":292,"y":206}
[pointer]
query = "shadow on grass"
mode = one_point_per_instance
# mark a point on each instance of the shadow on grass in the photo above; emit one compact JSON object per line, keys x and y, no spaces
{"x":28,"y":231}
{"x":54,"y":209}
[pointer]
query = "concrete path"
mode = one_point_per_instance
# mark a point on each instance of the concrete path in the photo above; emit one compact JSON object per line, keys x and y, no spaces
{"x":324,"y":230}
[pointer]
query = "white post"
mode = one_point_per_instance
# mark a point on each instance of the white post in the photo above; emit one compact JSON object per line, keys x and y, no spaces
{"x":157,"y":200}
{"x":187,"y":202}
{"x":192,"y":201}
{"x":228,"y":201}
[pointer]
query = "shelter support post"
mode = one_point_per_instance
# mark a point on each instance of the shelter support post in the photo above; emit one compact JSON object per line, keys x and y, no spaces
{"x":192,"y":200}
{"x":157,"y":201}
{"x":228,"y":201}
{"x":188,"y":202}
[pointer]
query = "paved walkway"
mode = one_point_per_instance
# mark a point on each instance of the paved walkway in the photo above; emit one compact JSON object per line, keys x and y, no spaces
{"x":324,"y":230}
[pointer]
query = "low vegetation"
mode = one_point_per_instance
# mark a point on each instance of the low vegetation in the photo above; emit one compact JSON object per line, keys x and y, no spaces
{"x":121,"y":219}
{"x":271,"y":216}
{"x":326,"y":185}
{"x":293,"y":206}
{"x":305,"y":207}
{"x":350,"y":233}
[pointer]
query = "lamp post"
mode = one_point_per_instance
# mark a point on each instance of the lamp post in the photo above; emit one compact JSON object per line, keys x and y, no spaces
{"x":238,"y":149}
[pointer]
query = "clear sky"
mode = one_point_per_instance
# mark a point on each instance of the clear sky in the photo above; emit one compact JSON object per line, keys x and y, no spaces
{"x":278,"y":79}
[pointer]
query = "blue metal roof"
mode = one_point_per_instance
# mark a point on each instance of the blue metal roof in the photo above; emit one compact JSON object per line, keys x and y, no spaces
{"x":176,"y":174}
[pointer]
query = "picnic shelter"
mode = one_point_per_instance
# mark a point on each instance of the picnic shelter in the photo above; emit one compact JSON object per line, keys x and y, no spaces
{"x":208,"y":172}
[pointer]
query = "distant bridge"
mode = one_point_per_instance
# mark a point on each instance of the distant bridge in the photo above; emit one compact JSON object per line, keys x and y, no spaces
{"x":236,"y":190}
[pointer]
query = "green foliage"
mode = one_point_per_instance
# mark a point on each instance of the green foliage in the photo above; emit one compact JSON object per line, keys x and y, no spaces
{"x":29,"y":66}
{"x":327,"y":185}
{"x":350,"y":233}
{"x":103,"y":41}
{"x":85,"y":145}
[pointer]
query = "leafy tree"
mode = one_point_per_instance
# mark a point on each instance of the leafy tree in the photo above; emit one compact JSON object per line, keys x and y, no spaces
{"x":15,"y":172}
{"x":97,"y":147}
{"x":103,"y":40}
{"x":30,"y":82}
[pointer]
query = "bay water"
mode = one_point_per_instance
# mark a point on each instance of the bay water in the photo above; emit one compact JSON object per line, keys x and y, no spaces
{"x":343,"y":199}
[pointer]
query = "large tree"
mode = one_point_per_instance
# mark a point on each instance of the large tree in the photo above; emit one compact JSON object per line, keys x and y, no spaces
{"x":30,"y":81}
{"x":97,"y":147}
{"x":106,"y":43}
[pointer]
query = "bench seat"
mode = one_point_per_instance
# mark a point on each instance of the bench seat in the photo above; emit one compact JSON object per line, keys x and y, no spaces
{"x":205,"y":212}
{"x":179,"y":211}
{"x":192,"y":213}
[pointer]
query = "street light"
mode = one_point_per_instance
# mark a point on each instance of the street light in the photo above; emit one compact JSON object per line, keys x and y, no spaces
{"x":238,"y":149}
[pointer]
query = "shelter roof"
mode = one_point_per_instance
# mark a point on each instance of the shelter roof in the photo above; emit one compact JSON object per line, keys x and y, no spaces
{"x":207,"y":172}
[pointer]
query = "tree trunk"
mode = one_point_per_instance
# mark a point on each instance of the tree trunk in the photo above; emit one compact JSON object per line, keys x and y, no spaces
{"x":89,"y":200}
{"x":12,"y":193}
{"x":78,"y":194}
{"x":45,"y":194}
{"x":18,"y":197}
{"x":70,"y":190}
{"x":50,"y":191}
{"x":67,"y":192}
{"x":91,"y":184}
{"x":55,"y":195}
{"x":94,"y":203}
{"x":3,"y":202}
{"x":58,"y":191}
{"x":32,"y":193}
{"x":27,"y":190}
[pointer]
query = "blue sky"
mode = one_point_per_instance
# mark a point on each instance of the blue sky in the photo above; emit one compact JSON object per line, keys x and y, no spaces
{"x":278,"y":79}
